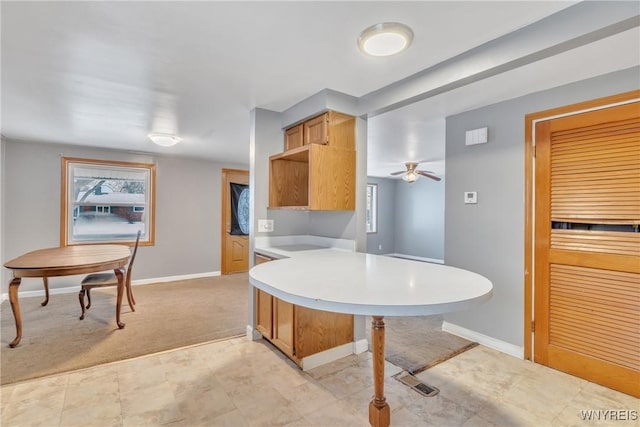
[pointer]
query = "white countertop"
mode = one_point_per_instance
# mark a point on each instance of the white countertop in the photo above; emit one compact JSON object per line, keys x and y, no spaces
{"x":366,"y":284}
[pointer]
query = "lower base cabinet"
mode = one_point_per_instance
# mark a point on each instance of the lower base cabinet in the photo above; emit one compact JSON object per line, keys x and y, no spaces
{"x":264,"y":314}
{"x":318,"y":330}
{"x":299,"y":331}
{"x":284,"y":327}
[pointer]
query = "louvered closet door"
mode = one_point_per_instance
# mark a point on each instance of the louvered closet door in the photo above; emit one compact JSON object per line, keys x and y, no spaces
{"x":587,"y":246}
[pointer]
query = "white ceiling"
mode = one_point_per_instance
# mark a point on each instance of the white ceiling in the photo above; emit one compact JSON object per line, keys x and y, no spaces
{"x":106,"y":74}
{"x":417,"y":132}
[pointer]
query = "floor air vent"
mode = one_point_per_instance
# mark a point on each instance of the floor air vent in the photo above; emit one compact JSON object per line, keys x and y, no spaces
{"x":417,"y":385}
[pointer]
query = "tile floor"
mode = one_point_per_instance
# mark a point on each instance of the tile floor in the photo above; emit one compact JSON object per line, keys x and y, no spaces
{"x":243,"y":383}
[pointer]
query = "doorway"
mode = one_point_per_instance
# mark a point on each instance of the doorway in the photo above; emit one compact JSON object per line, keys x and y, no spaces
{"x":582,"y":283}
{"x":235,"y":221}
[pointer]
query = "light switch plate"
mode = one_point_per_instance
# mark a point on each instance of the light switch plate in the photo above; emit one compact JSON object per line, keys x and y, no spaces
{"x":470,"y":197}
{"x":265,"y":225}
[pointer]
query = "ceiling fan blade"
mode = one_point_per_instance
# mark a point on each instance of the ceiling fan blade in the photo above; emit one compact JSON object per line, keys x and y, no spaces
{"x":398,"y":173}
{"x":428,"y":175}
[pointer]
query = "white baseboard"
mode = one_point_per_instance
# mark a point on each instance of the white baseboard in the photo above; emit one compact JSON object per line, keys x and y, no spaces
{"x":485,"y":340}
{"x":327,"y":356}
{"x":253,"y":334}
{"x":416,"y":258}
{"x":73,"y":289}
{"x":40,"y":293}
{"x":360,"y":346}
{"x":174,"y":278}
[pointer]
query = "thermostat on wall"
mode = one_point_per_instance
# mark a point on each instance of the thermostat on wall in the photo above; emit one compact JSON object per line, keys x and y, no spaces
{"x":471,"y":197}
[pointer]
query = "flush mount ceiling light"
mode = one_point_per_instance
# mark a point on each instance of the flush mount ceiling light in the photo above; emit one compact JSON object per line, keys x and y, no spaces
{"x":164,"y":139}
{"x":385,"y":39}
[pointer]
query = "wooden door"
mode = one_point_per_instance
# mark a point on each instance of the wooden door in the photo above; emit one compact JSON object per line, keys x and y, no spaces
{"x":235,"y":248}
{"x":587,"y":246}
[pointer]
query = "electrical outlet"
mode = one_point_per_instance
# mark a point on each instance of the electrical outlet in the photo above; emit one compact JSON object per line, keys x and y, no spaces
{"x":265,"y":225}
{"x":379,"y":247}
{"x":471,"y":197}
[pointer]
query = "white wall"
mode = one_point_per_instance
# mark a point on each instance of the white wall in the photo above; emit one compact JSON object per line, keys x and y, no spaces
{"x":2,"y":205}
{"x":188,"y":196}
{"x":488,"y":237}
{"x":383,"y":241}
{"x":419,"y":218}
{"x":410,"y":218}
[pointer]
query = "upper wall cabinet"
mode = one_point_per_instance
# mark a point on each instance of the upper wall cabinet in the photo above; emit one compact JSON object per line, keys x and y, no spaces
{"x":293,"y":137}
{"x":316,"y":130}
{"x":317,"y":169}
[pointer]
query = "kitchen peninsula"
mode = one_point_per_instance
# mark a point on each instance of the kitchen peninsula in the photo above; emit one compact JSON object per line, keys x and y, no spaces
{"x":309,"y":337}
{"x":364,"y":284}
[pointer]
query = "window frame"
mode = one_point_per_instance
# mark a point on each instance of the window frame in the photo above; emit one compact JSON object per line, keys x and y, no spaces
{"x":374,"y":209}
{"x":67,"y":208}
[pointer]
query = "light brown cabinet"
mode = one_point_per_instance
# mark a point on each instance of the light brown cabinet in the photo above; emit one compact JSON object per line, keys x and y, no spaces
{"x":264,"y":314}
{"x":264,"y":306}
{"x":316,"y":130}
{"x":320,"y":173}
{"x":293,"y":137}
{"x":284,"y":327}
{"x":299,"y":331}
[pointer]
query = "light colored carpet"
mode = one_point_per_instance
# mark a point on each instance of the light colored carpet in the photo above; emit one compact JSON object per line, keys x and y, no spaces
{"x":418,"y":343}
{"x":168,"y":315}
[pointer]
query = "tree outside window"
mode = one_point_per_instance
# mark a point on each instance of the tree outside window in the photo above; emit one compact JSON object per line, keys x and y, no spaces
{"x":107,"y":202}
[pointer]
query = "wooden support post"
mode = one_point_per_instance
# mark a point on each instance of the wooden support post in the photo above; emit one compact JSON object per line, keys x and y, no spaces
{"x":379,"y":412}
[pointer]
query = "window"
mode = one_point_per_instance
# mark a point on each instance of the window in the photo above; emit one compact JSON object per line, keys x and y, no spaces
{"x":106,"y":202}
{"x":372,"y":208}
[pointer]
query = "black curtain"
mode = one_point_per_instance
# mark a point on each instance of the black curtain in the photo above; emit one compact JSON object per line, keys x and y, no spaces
{"x":239,"y":209}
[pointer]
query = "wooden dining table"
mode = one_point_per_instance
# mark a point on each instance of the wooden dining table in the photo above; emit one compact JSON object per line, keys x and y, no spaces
{"x":66,"y":261}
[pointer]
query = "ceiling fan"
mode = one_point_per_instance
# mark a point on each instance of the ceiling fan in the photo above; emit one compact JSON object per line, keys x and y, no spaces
{"x":411,"y":174}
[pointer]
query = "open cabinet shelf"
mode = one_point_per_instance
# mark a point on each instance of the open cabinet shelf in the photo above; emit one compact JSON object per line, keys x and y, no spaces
{"x":289,"y":179}
{"x":319,"y":175}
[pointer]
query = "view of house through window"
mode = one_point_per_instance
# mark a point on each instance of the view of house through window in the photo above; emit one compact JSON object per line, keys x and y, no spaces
{"x":372,"y":208}
{"x":107,"y":201}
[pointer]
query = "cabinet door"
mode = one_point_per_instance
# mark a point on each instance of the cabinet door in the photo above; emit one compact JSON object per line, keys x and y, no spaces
{"x":316,"y":130}
{"x":264,"y":306}
{"x":283,"y":326}
{"x":264,"y":314}
{"x":293,"y":137}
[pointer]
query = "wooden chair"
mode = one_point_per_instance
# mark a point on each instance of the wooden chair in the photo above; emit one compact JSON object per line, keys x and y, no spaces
{"x":99,"y":280}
